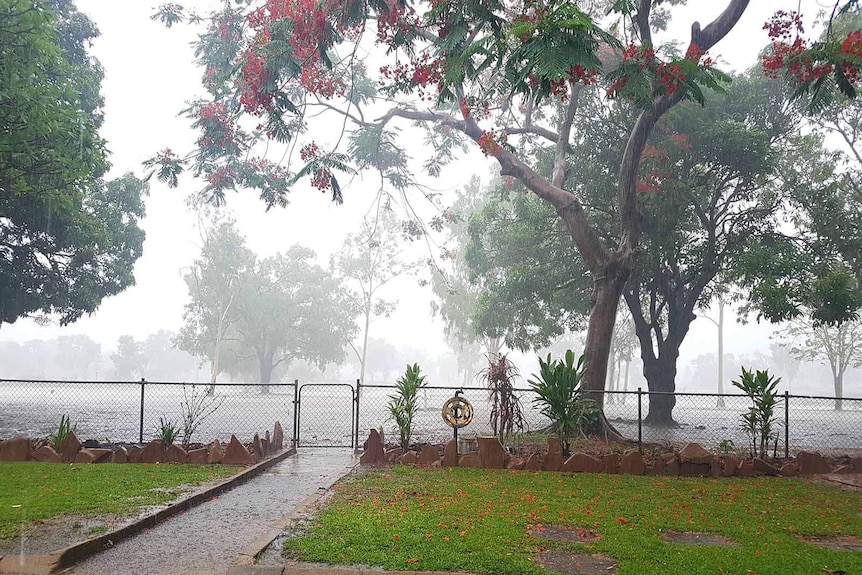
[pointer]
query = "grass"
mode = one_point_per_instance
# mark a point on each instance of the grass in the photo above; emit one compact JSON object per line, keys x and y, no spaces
{"x":44,"y":490}
{"x":477,"y":521}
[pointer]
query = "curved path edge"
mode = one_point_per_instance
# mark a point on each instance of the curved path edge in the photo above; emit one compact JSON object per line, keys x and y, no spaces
{"x":64,"y":558}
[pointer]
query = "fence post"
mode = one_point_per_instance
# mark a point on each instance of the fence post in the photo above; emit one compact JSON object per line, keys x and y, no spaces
{"x":786,"y":424}
{"x":295,"y":439}
{"x":141,"y":427}
{"x":356,"y":421}
{"x":640,"y":420}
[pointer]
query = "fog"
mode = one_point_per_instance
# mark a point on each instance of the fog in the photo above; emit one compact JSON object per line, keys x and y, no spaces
{"x":150,"y":76}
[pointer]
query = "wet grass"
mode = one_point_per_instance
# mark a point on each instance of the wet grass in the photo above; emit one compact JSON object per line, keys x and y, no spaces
{"x":38,"y":491}
{"x":483,"y":521}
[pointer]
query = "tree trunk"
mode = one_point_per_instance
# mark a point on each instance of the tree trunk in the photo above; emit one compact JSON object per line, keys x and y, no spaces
{"x":612,"y":374}
{"x":660,"y":373}
{"x":720,"y":402}
{"x":362,"y":360}
{"x":264,"y":361}
{"x":608,"y":285}
{"x":626,"y":380}
{"x":838,"y":383}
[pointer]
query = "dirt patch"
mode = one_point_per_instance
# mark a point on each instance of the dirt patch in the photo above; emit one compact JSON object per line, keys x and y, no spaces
{"x":701,"y":539}
{"x":835,"y":543}
{"x":562,"y":533}
{"x":568,"y":563}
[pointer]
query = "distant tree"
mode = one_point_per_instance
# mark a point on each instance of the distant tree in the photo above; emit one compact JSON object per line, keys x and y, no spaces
{"x":369,"y":260}
{"x":77,"y":357}
{"x":785,"y":364}
{"x":68,"y":238}
{"x":839,"y":346}
{"x":291,"y":308}
{"x":215,"y":283}
{"x":128,"y":359}
{"x":166,"y":362}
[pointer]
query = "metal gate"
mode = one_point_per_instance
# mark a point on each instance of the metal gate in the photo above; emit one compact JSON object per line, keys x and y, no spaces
{"x":325,"y":415}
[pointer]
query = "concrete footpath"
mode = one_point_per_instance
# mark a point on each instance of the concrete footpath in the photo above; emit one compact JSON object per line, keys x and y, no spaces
{"x":206,"y":539}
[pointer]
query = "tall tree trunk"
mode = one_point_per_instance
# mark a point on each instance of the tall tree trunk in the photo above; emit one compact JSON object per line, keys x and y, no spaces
{"x":838,"y":384}
{"x":608,"y":286}
{"x":264,"y":361}
{"x":660,"y":373}
{"x":626,"y":380}
{"x":362,"y":360}
{"x":720,"y":402}
{"x":612,"y":373}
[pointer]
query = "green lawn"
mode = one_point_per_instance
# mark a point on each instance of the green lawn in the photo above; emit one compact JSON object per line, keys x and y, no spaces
{"x":44,"y":490}
{"x":477,"y":521}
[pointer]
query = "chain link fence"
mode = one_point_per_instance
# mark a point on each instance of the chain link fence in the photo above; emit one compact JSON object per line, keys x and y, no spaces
{"x":338,"y":414}
{"x":122,"y":411}
{"x":713,"y":420}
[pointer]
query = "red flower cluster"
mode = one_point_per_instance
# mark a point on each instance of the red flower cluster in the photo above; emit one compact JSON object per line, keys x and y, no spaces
{"x":213,"y":112}
{"x":220,"y":178}
{"x":490,"y":143}
{"x":782,"y":25}
{"x":396,"y":21}
{"x":669,"y":77}
{"x":420,"y":73}
{"x":792,"y":57}
{"x":309,"y":152}
{"x":852,"y":46}
{"x":255,"y":75}
{"x":322,"y":179}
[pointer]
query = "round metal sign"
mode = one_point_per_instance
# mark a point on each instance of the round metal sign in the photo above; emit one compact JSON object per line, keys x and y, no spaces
{"x":457,"y":412}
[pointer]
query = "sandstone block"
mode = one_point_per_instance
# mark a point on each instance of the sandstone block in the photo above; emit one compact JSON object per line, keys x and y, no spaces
{"x":450,"y":454}
{"x":695,"y":453}
{"x":198,"y":456}
{"x":811,"y":463}
{"x":154,"y":452}
{"x":46,"y":454}
{"x":632,"y":463}
{"x":534,"y":462}
{"x":70,"y":447}
{"x":428,"y":455}
{"x":554,"y":458}
{"x":176,"y":454}
{"x":373,"y":449}
{"x":409,"y":458}
{"x":582,"y":463}
{"x":491,"y":453}
{"x":612,"y":463}
{"x":216,"y":453}
{"x":470,"y":459}
{"x":236,"y":453}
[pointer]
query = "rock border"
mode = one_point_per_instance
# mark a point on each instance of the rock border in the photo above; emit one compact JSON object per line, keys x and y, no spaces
{"x":693,"y":460}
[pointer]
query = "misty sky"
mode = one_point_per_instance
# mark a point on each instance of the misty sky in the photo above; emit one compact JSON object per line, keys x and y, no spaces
{"x":150,"y":75}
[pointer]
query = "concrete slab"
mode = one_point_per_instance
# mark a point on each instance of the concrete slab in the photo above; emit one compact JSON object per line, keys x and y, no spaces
{"x":205,"y":540}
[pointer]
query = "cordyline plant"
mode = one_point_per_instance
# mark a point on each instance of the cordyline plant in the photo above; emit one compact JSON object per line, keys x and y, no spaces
{"x":506,"y":415}
{"x":402,"y":407}
{"x":503,"y":75}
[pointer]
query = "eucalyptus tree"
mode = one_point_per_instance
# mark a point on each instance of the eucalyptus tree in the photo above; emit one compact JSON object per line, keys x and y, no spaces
{"x":370,"y":260}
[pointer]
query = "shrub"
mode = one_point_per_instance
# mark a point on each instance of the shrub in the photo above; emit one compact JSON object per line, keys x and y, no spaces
{"x":197,"y":405}
{"x":402,"y":407}
{"x":167,"y":431}
{"x":758,"y":421}
{"x":558,"y":390}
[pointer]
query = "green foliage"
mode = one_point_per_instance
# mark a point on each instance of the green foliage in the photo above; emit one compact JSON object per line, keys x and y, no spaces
{"x":69,"y":239}
{"x":726,"y":446}
{"x":759,"y":420}
{"x":167,"y":431}
{"x":402,"y":407}
{"x":560,"y":398}
{"x":487,"y":521}
{"x":66,"y":426}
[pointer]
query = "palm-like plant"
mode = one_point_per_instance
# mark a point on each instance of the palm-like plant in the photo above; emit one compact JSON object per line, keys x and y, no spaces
{"x":759,"y":420}
{"x":506,"y":415}
{"x":402,"y":407}
{"x":558,"y":391}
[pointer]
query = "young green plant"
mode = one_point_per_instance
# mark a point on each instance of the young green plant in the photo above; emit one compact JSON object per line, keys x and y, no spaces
{"x":66,"y":426}
{"x":759,"y":420}
{"x":402,"y":407}
{"x":559,"y":397}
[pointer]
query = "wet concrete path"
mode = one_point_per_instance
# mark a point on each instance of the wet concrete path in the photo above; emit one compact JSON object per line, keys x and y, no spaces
{"x":206,"y":539}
